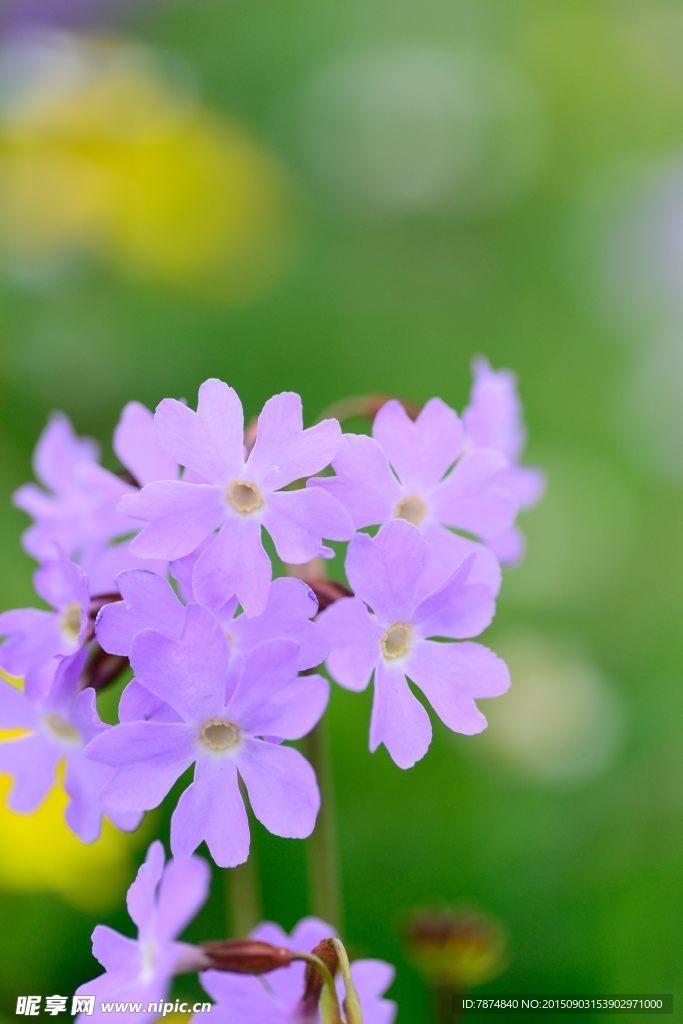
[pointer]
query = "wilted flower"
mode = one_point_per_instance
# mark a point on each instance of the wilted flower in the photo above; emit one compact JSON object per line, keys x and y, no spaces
{"x":395,"y":641}
{"x":221,"y":734}
{"x":161,"y":902}
{"x":242,"y":999}
{"x":241,"y":495}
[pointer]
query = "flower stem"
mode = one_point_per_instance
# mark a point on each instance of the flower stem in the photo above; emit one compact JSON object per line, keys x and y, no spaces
{"x":243,"y":896}
{"x":323,"y":861}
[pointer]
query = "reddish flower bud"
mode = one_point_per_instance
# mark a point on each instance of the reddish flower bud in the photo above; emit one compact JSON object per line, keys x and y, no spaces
{"x":246,"y":956}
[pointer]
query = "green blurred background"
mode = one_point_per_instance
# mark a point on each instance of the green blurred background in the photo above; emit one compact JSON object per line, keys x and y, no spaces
{"x":355,"y":197}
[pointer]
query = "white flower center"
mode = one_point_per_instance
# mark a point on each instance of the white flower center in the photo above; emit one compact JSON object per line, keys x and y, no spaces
{"x":70,"y":621}
{"x":62,"y":730}
{"x":219,"y":735}
{"x":396,"y":641}
{"x":413,"y":508}
{"x":244,"y":496}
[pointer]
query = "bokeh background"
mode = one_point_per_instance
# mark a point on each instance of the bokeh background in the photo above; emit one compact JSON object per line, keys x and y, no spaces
{"x":355,"y":197}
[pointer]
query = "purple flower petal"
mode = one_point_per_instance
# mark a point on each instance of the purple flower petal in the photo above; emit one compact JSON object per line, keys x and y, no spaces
{"x":16,"y":712}
{"x":451,"y":676}
{"x":271,"y":700}
{"x":353,"y":637}
{"x":59,"y":451}
{"x":282,"y":788}
{"x":473,"y":497}
{"x":209,"y":441}
{"x":447,"y":552}
{"x":423,"y":450}
{"x":212,"y":809}
{"x":288,"y":615}
{"x":60,"y":581}
{"x":459,"y":609}
{"x":137,"y":446}
{"x":137,"y":704}
{"x":32,"y":763}
{"x":364,"y":482}
{"x":141,"y":898}
{"x":33,"y":637}
{"x":114,"y":951}
{"x":385,"y":570}
{"x":298,"y":520}
{"x":183,"y":891}
{"x":398,"y":719}
{"x":242,"y":1000}
{"x":179,"y":517}
{"x":148,"y":602}
{"x":148,"y":756}
{"x":188,"y":674}
{"x":284,"y":451}
{"x":235,"y":563}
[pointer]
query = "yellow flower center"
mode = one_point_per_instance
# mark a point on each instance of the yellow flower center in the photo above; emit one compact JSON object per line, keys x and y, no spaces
{"x":244,"y":496}
{"x":70,"y":621}
{"x":217,"y":734}
{"x":413,"y":508}
{"x":396,"y":641}
{"x":62,"y":729}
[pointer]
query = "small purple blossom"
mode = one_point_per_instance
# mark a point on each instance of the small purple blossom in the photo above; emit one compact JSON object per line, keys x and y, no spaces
{"x":494,"y":420}
{"x":423,"y":472}
{"x":244,"y":999}
{"x":33,"y":635}
{"x":221,"y":735}
{"x":162,"y":901}
{"x":58,"y":724}
{"x":389,"y":629}
{"x":242,"y":495}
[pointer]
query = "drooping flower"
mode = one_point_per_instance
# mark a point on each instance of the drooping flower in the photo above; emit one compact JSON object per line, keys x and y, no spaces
{"x":150,"y":602}
{"x":493,"y":420}
{"x":162,"y":901}
{"x":242,"y":496}
{"x":55,"y":727}
{"x":397,"y":641}
{"x":221,"y":735}
{"x":243,"y":999}
{"x":34,"y":635}
{"x":421,"y":471}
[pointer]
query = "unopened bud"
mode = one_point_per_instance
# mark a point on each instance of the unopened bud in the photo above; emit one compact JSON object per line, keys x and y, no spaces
{"x":313,"y":982}
{"x":246,"y":956}
{"x":461,"y":948}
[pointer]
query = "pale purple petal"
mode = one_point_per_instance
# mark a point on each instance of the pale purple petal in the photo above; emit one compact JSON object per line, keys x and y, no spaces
{"x":235,"y":563}
{"x":353,"y":637}
{"x":83,"y":784}
{"x":183,"y":890}
{"x":423,"y":450}
{"x":33,"y":637}
{"x":398,"y":719}
{"x":288,"y":615}
{"x":364,"y":482}
{"x":508,"y":547}
{"x":188,"y":674}
{"x":141,"y":898}
{"x":59,"y":582}
{"x":459,"y":609}
{"x":149,"y":602}
{"x":282,"y":788}
{"x":32,"y":763}
{"x":385,"y":570}
{"x":204,"y":445}
{"x":148,"y":756}
{"x":114,"y":951}
{"x":242,"y":999}
{"x":179,"y":517}
{"x":271,"y":700}
{"x":138,"y":449}
{"x":298,"y":520}
{"x":473,"y":497}
{"x":212,"y":809}
{"x":137,"y":704}
{"x":493,"y":418}
{"x":16,"y":711}
{"x":59,"y":450}
{"x":371,"y":979}
{"x":447,"y":552}
{"x":527,"y":483}
{"x":104,"y":562}
{"x":284,"y":451}
{"x":452,"y":676}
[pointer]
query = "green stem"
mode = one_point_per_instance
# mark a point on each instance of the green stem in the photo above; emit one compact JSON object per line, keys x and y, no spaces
{"x":323,"y":861}
{"x":243,"y":897}
{"x":329,"y":1004}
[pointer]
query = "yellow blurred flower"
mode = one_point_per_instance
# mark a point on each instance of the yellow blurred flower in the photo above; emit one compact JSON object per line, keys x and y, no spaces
{"x":39,"y":852}
{"x":104,"y":150}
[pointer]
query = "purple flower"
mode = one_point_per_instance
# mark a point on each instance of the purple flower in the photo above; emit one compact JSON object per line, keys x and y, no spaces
{"x":161,"y":902}
{"x":221,"y":735}
{"x":58,"y":724}
{"x":34,"y":636}
{"x":421,"y":472}
{"x":396,"y":641}
{"x":77,"y":507}
{"x":242,"y":495}
{"x":150,"y":602}
{"x":493,"y":420}
{"x":244,"y":999}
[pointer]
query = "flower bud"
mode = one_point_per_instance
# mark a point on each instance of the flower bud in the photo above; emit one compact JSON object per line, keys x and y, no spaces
{"x":458,"y":948}
{"x":246,"y":956}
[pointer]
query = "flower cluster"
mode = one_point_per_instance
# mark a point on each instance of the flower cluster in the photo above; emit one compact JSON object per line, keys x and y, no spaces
{"x":197,"y":567}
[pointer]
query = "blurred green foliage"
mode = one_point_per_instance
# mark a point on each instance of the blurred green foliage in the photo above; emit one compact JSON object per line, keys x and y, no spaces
{"x":584,"y":871}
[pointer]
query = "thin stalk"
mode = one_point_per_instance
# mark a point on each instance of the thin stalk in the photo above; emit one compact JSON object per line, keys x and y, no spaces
{"x":329,"y":1004}
{"x":243,"y":897}
{"x":323,"y":860}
